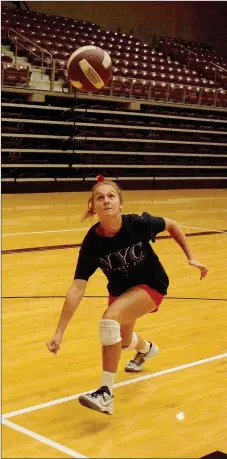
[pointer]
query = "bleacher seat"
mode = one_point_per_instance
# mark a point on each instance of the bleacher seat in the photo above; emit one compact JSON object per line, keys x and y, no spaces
{"x":155,"y":71}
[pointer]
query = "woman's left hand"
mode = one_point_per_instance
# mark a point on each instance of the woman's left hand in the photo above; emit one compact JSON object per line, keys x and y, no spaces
{"x":203,"y":269}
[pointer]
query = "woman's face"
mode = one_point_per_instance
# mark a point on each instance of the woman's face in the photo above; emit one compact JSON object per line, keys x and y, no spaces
{"x":106,"y":201}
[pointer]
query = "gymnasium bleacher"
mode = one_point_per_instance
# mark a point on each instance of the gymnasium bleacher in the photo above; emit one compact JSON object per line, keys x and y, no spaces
{"x":160,"y":123}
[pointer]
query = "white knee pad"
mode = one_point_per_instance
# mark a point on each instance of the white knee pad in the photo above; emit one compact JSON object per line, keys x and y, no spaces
{"x":109,"y":332}
{"x":133,"y":344}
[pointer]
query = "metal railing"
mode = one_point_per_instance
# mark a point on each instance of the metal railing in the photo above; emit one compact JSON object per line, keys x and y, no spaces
{"x":190,"y":53}
{"x":134,"y":89}
{"x":180,"y":47}
{"x":145,"y":90}
{"x":218,"y":71}
{"x":19,"y":39}
{"x":219,"y":67}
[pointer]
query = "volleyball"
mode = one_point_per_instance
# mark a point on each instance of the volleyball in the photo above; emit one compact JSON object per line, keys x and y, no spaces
{"x":89,"y":68}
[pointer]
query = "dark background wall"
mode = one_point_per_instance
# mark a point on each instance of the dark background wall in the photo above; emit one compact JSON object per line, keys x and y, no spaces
{"x":203,"y":21}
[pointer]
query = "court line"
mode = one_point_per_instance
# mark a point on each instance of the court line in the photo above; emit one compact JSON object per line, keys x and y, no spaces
{"x":71,"y":246}
{"x":148,"y":201}
{"x":69,"y":451}
{"x":42,"y":439}
{"x":45,"y":232}
{"x":120,"y":384}
{"x":204,"y":229}
{"x":106,"y":296}
{"x":41,"y":249}
{"x":87,"y":228}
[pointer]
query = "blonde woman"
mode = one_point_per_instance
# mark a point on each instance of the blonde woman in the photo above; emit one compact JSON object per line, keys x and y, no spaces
{"x":137,"y":282}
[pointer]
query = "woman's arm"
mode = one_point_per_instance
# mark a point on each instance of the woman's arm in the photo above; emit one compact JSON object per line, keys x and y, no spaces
{"x":72,"y":301}
{"x":176,"y":232}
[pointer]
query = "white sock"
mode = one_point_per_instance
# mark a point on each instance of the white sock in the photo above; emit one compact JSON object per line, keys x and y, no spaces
{"x":108,"y":380}
{"x":146,"y":348}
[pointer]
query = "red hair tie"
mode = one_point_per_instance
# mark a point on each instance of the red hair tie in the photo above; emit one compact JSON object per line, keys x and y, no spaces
{"x":100,"y":178}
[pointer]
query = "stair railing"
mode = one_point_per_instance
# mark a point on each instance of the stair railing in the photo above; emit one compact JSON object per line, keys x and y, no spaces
{"x":19,"y":39}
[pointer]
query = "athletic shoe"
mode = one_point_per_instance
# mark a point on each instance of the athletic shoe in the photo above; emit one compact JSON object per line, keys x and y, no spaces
{"x":137,"y":363}
{"x":100,"y":400}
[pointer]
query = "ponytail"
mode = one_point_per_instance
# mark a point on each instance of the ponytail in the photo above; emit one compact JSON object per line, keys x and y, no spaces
{"x":89,"y":213}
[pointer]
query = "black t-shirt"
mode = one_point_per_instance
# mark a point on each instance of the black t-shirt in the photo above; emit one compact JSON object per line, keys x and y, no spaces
{"x":127,"y":259}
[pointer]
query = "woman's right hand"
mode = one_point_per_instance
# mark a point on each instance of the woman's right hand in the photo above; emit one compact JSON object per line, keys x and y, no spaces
{"x":54,"y":344}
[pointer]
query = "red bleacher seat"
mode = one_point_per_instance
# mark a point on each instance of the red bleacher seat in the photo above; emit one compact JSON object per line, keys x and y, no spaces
{"x":5,"y":58}
{"x":141,"y":89}
{"x":176,"y":93}
{"x":221,"y":98}
{"x":192,"y":94}
{"x":9,"y":75}
{"x":13,"y":75}
{"x":153,"y":70}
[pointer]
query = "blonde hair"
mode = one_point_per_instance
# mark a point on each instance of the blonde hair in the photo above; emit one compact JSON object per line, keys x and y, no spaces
{"x":90,"y":212}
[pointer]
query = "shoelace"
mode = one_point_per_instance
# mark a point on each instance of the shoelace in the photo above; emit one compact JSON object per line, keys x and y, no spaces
{"x":98,"y":392}
{"x":139,"y":357}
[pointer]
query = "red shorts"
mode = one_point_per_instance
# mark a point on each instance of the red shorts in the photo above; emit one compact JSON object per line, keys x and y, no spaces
{"x":156,"y":296}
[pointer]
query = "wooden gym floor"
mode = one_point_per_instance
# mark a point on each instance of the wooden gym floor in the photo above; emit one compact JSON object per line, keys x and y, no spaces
{"x":176,"y":407}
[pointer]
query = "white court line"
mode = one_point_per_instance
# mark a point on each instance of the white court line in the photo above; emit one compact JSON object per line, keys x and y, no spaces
{"x":152,"y":202}
{"x":204,"y":229}
{"x":120,"y":384}
{"x":83,"y":229}
{"x":44,"y":232}
{"x":42,"y":439}
{"x":71,"y":452}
